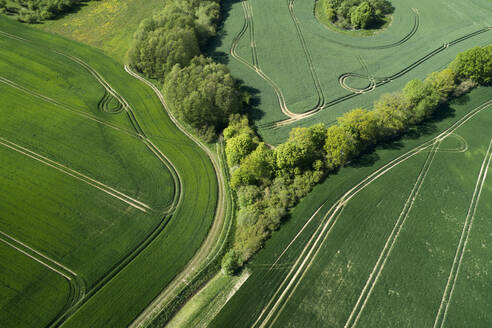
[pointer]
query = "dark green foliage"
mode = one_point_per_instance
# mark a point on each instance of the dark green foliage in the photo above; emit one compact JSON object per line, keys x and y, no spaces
{"x":230,"y":262}
{"x":362,"y":16}
{"x":35,"y":11}
{"x":357,"y":14}
{"x":167,"y":39}
{"x":173,"y":36}
{"x":203,"y":94}
{"x":3,"y":6}
{"x":474,"y":64}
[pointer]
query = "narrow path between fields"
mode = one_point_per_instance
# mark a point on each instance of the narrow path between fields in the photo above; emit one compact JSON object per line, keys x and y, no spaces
{"x":203,"y":255}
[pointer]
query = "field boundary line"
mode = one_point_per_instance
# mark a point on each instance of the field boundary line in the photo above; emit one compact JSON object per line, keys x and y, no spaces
{"x":465,"y":234}
{"x":77,"y":175}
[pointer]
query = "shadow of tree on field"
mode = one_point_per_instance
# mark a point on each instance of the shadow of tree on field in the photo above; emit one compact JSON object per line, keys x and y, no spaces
{"x":252,"y":108}
{"x":367,"y":159}
{"x":217,"y":40}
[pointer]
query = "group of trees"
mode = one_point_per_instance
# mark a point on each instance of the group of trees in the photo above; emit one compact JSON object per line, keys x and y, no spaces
{"x":357,"y":14}
{"x":270,"y":181}
{"x":203,"y":94}
{"x":168,"y":47}
{"x":35,"y":11}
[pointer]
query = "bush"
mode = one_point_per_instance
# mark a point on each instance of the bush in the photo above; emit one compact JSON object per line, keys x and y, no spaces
{"x":256,"y":169}
{"x":239,"y":147}
{"x":34,"y":11}
{"x":443,"y":83}
{"x":230,"y":263}
{"x":357,"y":13}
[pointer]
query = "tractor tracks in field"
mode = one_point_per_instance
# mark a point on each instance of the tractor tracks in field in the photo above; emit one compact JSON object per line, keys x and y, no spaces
{"x":77,"y":286}
{"x":77,"y":111}
{"x":374,"y":81}
{"x":71,"y":307}
{"x":322,"y":103}
{"x":303,"y":262}
{"x":141,"y":206}
{"x":209,"y":250}
{"x":465,"y":235}
{"x":213,"y":244}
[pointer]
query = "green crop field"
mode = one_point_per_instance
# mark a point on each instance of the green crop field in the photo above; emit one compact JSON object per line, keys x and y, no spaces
{"x":302,"y":72}
{"x":100,"y":203}
{"x":113,"y":214}
{"x":400,"y":238}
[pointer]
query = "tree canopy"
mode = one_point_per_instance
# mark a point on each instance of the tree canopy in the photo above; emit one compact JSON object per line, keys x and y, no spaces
{"x":203,"y":94}
{"x":474,"y":64}
{"x":357,"y":14}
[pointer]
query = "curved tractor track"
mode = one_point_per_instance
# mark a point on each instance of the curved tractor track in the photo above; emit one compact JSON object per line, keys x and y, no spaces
{"x":413,"y":30}
{"x":210,"y":249}
{"x":373,"y":81}
{"x":271,"y":311}
{"x":79,"y":293}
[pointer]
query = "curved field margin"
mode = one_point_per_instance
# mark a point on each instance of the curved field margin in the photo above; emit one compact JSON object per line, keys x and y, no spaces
{"x":212,"y":247}
{"x":110,"y":93}
{"x":192,"y":209}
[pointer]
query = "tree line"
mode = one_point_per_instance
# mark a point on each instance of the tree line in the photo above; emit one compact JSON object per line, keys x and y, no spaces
{"x":268,"y":182}
{"x":35,"y":11}
{"x":357,"y":14}
{"x":169,"y":48}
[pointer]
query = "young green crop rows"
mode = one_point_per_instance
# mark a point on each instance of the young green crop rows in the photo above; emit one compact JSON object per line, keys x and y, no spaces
{"x":407,"y":243}
{"x":100,"y":201}
{"x":304,"y":73}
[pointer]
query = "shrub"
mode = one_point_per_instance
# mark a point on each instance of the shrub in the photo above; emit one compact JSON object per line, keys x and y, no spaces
{"x":230,"y":263}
